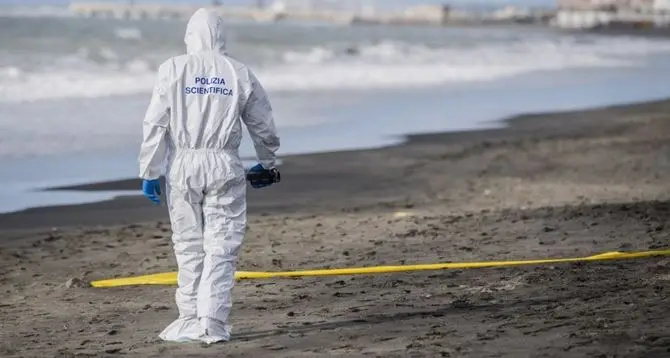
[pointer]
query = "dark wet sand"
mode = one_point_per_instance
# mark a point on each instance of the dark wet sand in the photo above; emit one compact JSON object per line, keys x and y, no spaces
{"x":550,"y":185}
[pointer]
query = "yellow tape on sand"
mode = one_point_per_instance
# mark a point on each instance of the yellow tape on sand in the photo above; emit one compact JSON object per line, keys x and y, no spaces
{"x":170,"y":278}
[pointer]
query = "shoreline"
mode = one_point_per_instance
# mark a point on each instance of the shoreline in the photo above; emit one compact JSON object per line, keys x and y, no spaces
{"x":127,"y":209}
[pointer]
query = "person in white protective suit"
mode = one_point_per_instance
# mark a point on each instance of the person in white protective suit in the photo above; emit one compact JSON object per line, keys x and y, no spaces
{"x":192,"y":131}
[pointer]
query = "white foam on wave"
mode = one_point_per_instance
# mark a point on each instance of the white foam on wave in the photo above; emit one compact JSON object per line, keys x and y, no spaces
{"x":91,"y":81}
{"x":73,"y":84}
{"x":10,"y":72}
{"x":390,"y":64}
{"x":128,"y":33}
{"x":382,"y":65}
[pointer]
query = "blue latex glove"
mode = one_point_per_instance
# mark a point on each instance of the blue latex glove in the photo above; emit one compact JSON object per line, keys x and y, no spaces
{"x":258,"y":168}
{"x":152,"y":190}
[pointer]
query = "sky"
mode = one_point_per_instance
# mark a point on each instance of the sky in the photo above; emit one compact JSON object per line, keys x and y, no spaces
{"x":543,"y":3}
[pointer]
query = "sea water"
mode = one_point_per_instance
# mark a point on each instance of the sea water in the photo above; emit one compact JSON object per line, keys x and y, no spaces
{"x":73,"y":91}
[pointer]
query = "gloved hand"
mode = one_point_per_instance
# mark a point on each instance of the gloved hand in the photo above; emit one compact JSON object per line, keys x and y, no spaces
{"x":152,"y":190}
{"x":260,"y":177}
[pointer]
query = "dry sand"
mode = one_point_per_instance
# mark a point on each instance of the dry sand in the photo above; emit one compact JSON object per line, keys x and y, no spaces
{"x":550,"y":185}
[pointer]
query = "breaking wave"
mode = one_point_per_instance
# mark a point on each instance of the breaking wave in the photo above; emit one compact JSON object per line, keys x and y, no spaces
{"x":386,"y":64}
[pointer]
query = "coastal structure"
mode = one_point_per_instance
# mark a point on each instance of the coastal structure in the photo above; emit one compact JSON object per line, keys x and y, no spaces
{"x":634,"y":14}
{"x":158,"y":11}
{"x":640,"y":6}
{"x":333,"y":11}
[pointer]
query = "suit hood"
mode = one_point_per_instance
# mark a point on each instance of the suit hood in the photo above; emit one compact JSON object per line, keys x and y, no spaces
{"x":205,"y":32}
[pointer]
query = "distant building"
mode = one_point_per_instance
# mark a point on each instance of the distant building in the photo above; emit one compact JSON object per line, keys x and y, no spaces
{"x":512,"y":13}
{"x":662,"y":6}
{"x":640,"y":6}
{"x":602,"y":5}
{"x":332,"y":5}
{"x":607,"y":13}
{"x":428,"y":13}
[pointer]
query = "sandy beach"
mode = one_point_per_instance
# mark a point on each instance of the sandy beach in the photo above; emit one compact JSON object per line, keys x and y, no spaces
{"x":548,"y":185}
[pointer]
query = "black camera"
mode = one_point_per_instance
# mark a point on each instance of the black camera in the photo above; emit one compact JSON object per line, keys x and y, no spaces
{"x":267,"y":176}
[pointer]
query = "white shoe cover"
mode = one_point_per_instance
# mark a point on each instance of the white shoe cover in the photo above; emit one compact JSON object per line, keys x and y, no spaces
{"x":193,"y":330}
{"x":182,"y":330}
{"x":214,"y":331}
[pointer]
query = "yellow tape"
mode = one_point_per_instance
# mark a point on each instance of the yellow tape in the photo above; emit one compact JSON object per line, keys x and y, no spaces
{"x":170,"y":278}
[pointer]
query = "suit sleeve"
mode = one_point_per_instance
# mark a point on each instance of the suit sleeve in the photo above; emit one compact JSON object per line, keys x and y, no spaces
{"x":257,"y":116}
{"x":153,"y":150}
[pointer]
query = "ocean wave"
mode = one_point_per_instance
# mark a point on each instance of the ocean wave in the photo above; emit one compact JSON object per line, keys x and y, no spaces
{"x":128,"y":33}
{"x":19,"y":86}
{"x":386,"y":64}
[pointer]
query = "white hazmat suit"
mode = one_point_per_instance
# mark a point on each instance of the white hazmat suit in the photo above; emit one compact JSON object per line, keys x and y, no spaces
{"x":192,"y":131}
